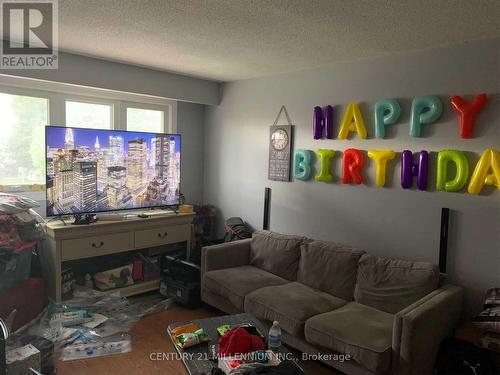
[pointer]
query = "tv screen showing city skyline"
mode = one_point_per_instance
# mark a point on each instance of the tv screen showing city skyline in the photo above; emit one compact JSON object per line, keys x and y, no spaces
{"x":89,"y":170}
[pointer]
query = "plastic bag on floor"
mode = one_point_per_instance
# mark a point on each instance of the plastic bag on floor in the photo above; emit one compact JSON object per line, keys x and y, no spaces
{"x":84,"y":340}
{"x":118,"y":344}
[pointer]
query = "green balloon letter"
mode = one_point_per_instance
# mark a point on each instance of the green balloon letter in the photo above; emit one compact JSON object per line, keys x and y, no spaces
{"x":462,"y":170}
{"x":302,"y":164}
{"x":325,"y":157}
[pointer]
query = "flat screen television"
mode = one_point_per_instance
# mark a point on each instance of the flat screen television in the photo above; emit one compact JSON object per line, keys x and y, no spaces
{"x":90,"y":171}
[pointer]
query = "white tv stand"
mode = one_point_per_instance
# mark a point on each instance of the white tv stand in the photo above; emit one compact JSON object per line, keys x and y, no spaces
{"x":72,"y":242}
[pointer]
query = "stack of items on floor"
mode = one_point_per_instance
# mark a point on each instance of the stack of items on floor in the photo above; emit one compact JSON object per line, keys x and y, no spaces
{"x":488,"y":321}
{"x":242,"y":350}
{"x":22,"y":292}
{"x":91,"y":325}
{"x":21,"y":232}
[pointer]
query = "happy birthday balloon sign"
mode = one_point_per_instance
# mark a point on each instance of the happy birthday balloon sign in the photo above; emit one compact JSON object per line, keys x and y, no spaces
{"x":452,"y":166}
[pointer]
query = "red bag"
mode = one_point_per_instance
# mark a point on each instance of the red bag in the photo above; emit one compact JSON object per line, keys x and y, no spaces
{"x":8,"y":230}
{"x":239,"y":341}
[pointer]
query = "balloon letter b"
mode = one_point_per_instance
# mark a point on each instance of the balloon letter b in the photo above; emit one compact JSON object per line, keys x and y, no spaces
{"x":467,"y":112}
{"x":490,"y":160}
{"x":381,"y":158}
{"x":352,"y":122}
{"x":302,"y":164}
{"x":325,"y":157}
{"x":462,"y":167}
{"x":387,"y":112}
{"x":409,"y":169}
{"x":424,"y":110}
{"x":351,"y":165}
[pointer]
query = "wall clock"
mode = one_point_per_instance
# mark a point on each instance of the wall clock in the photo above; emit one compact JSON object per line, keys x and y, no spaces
{"x":280,"y":149}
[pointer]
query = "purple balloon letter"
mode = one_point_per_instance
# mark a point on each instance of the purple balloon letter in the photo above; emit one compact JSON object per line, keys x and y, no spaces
{"x":410,"y":169}
{"x":323,"y":122}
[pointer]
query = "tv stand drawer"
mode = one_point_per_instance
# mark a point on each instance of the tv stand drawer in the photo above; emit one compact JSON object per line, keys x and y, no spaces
{"x":162,"y":235}
{"x":86,"y":247}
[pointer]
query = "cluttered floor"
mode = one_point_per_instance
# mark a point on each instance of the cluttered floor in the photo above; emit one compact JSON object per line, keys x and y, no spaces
{"x":149,"y":335}
{"x":134,"y":336}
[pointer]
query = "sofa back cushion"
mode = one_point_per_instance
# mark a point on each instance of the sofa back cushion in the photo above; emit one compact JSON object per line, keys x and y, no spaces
{"x":390,"y":285}
{"x":329,"y":267}
{"x":276,"y":253}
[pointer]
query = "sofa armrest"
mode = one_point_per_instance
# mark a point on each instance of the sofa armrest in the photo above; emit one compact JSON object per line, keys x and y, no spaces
{"x":419,"y":329}
{"x":225,"y":255}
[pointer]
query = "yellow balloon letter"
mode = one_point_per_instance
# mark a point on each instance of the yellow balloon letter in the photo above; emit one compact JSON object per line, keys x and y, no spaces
{"x":325,"y":157}
{"x":381,"y":158}
{"x":487,"y":172}
{"x":352,"y":122}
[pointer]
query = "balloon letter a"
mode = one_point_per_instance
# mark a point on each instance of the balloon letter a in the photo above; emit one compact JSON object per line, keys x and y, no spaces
{"x":352,"y":122}
{"x":490,"y":160}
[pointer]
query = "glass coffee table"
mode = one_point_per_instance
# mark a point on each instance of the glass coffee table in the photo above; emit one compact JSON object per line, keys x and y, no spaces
{"x":202,"y":358}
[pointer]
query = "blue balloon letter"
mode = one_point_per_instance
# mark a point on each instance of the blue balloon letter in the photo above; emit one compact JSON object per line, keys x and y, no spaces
{"x":302,"y":164}
{"x":424,"y":110}
{"x":387,"y":112}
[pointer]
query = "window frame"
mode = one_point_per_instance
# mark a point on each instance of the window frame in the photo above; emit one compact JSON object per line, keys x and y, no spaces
{"x":58,"y":93}
{"x":86,"y":100}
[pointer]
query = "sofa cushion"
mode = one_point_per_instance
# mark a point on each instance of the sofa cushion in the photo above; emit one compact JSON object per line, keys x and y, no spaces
{"x":390,"y":285}
{"x":290,"y":304}
{"x":360,"y":331}
{"x":235,"y":283}
{"x":276,"y":253}
{"x":329,"y":267}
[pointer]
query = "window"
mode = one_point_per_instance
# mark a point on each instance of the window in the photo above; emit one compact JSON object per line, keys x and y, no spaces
{"x":144,"y":120}
{"x":27,"y":105}
{"x":22,"y":156}
{"x":88,"y":115}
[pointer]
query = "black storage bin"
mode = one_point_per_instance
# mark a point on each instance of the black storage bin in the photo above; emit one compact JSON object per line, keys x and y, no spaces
{"x":182,"y":281}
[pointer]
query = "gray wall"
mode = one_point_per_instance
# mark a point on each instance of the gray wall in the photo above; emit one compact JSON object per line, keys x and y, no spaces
{"x":91,"y":72}
{"x":190,"y":119}
{"x":384,"y":221}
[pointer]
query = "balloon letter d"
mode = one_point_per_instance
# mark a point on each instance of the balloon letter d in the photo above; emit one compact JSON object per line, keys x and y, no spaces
{"x":462,"y":167}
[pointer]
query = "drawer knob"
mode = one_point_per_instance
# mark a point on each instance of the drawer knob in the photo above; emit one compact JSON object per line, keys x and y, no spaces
{"x":97,"y":245}
{"x":162,"y":235}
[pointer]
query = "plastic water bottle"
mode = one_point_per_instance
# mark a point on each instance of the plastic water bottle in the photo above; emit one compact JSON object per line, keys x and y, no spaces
{"x":274,"y":339}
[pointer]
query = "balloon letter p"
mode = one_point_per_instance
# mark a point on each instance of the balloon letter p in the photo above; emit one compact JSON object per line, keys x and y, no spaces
{"x":424,"y":110}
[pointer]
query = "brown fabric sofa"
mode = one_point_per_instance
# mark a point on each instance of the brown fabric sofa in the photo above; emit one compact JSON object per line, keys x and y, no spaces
{"x":388,"y":315}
